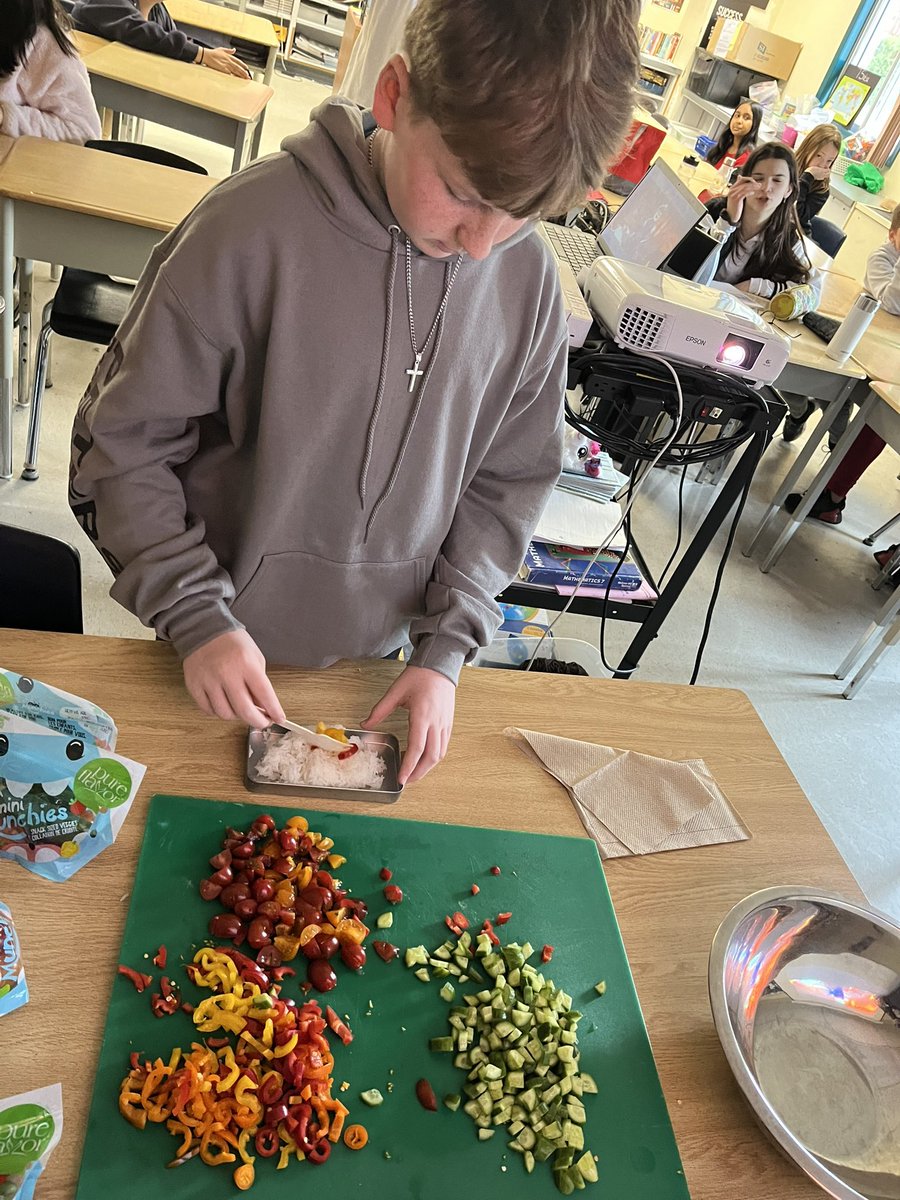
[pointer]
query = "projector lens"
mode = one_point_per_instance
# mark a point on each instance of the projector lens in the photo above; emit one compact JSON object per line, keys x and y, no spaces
{"x":739,"y":352}
{"x":732,"y":353}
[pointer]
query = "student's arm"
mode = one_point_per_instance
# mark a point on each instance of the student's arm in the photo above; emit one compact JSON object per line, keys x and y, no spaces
{"x":121,"y":21}
{"x":882,"y":279}
{"x":809,"y":202}
{"x":57,"y":101}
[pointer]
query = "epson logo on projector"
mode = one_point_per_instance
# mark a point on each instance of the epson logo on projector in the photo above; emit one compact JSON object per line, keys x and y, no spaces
{"x":696,"y":341}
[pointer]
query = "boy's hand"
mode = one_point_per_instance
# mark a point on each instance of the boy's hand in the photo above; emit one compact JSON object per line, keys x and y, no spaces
{"x":223,"y":59}
{"x":227,"y":678}
{"x":430,"y":698}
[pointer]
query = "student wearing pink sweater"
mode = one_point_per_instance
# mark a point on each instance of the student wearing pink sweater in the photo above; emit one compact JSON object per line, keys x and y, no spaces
{"x":44,"y":88}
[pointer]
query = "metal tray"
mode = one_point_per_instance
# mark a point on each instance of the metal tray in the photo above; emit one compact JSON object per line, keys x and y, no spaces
{"x":385,"y":743}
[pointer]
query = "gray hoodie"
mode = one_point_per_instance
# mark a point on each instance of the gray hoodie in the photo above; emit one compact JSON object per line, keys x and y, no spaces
{"x":248,"y":453}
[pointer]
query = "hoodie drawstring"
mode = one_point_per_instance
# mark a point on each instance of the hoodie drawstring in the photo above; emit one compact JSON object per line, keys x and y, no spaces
{"x":394,"y":231}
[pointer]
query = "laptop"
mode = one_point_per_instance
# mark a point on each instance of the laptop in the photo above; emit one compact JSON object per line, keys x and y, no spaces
{"x":651,"y":224}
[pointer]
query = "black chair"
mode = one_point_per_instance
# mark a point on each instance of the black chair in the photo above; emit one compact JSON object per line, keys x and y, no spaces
{"x":827,"y":236}
{"x":87,"y":307}
{"x":41,"y":582}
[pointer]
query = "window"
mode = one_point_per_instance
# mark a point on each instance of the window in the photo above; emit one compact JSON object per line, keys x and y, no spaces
{"x":877,"y":49}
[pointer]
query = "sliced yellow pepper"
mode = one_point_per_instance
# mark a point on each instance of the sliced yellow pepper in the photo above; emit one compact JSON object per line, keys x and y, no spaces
{"x":281,"y":1051}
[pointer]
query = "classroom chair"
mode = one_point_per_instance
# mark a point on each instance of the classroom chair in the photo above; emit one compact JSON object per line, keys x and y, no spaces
{"x":827,"y":236}
{"x":41,"y":582}
{"x":87,"y":307}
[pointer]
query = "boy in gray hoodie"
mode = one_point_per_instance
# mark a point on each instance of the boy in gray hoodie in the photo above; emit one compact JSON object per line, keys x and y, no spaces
{"x":333,"y":413}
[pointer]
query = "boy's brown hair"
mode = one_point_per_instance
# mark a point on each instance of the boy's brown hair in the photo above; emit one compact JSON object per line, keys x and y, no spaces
{"x":895,"y":219}
{"x":534,"y":97}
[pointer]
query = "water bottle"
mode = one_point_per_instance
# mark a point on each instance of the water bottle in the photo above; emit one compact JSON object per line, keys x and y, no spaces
{"x":688,"y":166}
{"x":853,"y":326}
{"x":725,"y":170}
{"x":793,"y":302}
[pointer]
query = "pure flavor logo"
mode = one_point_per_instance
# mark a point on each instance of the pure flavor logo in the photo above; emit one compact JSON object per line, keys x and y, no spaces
{"x":102,"y":783}
{"x":25,"y":1133}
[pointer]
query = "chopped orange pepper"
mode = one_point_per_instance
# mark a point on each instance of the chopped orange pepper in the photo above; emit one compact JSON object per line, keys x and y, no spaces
{"x":244,"y":1176}
{"x":355,"y":1136}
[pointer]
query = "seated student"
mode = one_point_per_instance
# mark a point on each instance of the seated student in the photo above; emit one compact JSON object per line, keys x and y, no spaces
{"x":882,"y":280}
{"x":268,"y":479}
{"x":44,"y":88}
{"x":148,"y":26}
{"x":815,"y":158}
{"x":764,"y":252}
{"x":738,"y":138}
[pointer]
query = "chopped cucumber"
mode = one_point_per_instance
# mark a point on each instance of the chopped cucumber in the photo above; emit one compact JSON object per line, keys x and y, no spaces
{"x":441,"y":1045}
{"x":385,"y":921}
{"x":452,"y":1101}
{"x":600,"y":988}
{"x":448,"y":991}
{"x":415,"y":956}
{"x":372,"y":1097}
{"x":485,"y":1134}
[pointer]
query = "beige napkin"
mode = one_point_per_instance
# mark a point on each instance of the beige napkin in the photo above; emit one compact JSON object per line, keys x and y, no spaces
{"x":634,"y":803}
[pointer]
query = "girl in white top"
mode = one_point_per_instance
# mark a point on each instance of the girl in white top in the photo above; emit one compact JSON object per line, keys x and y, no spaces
{"x":764,"y":251}
{"x":44,"y":88}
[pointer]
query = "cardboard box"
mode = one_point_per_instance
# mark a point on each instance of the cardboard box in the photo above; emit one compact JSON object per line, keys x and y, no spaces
{"x":754,"y":48}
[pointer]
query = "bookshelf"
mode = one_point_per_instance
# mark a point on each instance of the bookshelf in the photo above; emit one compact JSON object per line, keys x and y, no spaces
{"x":657,"y":77}
{"x":311,"y":32}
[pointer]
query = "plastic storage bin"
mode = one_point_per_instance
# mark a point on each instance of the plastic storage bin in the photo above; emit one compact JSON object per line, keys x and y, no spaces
{"x":510,"y":653}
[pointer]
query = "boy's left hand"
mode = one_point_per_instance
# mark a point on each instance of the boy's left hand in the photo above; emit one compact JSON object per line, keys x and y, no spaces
{"x":430,"y":698}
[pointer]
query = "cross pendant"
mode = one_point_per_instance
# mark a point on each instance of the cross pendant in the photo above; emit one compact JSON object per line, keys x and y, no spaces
{"x":414,"y":372}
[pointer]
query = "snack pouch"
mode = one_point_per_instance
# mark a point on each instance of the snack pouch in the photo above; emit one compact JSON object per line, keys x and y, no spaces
{"x":62,"y":799}
{"x":13,"y":988}
{"x":59,"y":711}
{"x":30,"y":1127}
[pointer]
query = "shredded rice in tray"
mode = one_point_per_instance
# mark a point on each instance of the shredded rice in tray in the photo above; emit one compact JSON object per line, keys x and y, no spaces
{"x":289,"y":759}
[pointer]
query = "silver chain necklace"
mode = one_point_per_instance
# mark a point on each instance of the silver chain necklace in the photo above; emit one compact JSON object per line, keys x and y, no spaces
{"x":415,"y":371}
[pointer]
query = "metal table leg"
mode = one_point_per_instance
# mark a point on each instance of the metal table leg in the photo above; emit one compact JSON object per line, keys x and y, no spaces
{"x":26,"y":274}
{"x":6,"y":336}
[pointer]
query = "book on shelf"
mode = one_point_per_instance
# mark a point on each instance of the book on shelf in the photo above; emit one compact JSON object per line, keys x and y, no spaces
{"x":657,"y":44}
{"x":314,"y":51}
{"x":556,"y":566}
{"x":642,"y":594}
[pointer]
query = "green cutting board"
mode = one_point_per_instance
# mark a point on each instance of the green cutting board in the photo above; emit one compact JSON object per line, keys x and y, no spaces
{"x":556,"y":891}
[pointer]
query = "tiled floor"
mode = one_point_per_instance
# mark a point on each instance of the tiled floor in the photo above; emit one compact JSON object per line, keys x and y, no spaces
{"x":778,"y":637}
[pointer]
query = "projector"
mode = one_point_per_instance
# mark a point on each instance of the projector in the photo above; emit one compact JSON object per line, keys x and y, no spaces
{"x":646,"y":310}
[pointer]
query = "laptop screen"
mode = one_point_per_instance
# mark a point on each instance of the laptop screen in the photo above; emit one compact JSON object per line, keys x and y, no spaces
{"x":653,"y":220}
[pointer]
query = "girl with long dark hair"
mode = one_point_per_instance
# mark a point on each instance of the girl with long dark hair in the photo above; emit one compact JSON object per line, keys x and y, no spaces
{"x":763,"y":253}
{"x":738,"y":138}
{"x":44,"y":88}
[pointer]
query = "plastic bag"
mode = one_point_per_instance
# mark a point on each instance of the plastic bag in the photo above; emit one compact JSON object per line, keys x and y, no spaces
{"x":866,"y":176}
{"x":64,"y":794}
{"x":13,"y":988}
{"x":30,"y":1127}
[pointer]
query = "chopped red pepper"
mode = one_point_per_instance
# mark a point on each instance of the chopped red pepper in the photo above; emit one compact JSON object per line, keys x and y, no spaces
{"x":267,"y":1141}
{"x":495,"y":870}
{"x":135,"y":1060}
{"x":139,"y":980}
{"x":187,"y":1008}
{"x":546,"y":954}
{"x":385,"y":951}
{"x":488,"y":928}
{"x":319,"y":1152}
{"x":349,"y":752}
{"x":344,"y":1032}
{"x":159,"y":959}
{"x":165,"y":1003}
{"x":217,"y":1043}
{"x":386,"y":874}
{"x":475,"y":889}
{"x":279,"y":973}
{"x":425,"y":1095}
{"x":502,"y":918}
{"x":393,"y":894}
{"x":461,"y":920}
{"x":452,"y":926}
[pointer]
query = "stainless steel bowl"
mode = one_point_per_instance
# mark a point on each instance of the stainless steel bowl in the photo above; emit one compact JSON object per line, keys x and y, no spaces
{"x":805,"y":994}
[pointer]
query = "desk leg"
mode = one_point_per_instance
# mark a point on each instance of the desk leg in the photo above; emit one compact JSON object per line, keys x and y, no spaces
{"x":890,"y":638}
{"x":880,"y":625}
{"x":6,"y":337}
{"x":796,"y":518}
{"x":26,"y":273}
{"x":240,"y":147}
{"x":729,"y":492}
{"x":812,"y":442}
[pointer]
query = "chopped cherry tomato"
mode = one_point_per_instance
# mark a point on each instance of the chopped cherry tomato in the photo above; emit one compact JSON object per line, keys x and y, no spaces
{"x":495,"y":870}
{"x":160,"y":957}
{"x":385,"y":951}
{"x":387,"y":875}
{"x":355,"y":1137}
{"x":475,"y":889}
{"x":344,"y":1032}
{"x":502,"y":918}
{"x":321,"y":1150}
{"x":393,"y":894}
{"x":266,"y":1142}
{"x":461,"y":920}
{"x":546,"y":954}
{"x":139,"y":980}
{"x":217,"y":1043}
{"x":425,"y":1095}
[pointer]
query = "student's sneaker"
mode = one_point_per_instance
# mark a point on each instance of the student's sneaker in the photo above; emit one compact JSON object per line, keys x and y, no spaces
{"x":794,"y":426}
{"x":825,"y":507}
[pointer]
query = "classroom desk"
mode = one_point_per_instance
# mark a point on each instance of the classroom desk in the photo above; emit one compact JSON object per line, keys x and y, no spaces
{"x":242,"y":26}
{"x":668,"y":905}
{"x":88,"y":43}
{"x":220,"y":108}
{"x":79,"y":208}
{"x":876,"y":357}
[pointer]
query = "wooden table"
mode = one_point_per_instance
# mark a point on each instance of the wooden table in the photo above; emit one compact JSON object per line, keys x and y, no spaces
{"x":80,"y":208}
{"x":88,"y":43}
{"x":242,"y":26}
{"x":221,"y":108}
{"x":668,"y":905}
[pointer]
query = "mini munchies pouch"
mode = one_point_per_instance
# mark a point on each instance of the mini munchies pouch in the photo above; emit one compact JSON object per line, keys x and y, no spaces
{"x":62,"y":799}
{"x":59,"y":711}
{"x":13,"y":988}
{"x":30,"y":1127}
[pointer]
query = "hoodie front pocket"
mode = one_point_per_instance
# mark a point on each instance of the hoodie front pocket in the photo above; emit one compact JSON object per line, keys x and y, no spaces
{"x":305,"y":610}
